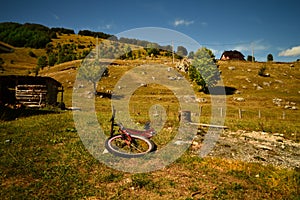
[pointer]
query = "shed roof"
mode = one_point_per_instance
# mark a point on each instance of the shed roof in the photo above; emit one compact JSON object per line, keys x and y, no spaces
{"x":13,"y":80}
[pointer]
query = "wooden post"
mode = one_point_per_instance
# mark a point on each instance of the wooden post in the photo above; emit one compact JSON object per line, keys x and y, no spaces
{"x":240,"y":113}
{"x":200,"y":110}
{"x":283,"y":115}
{"x":221,"y":112}
{"x":185,"y":116}
{"x":259,"y":114}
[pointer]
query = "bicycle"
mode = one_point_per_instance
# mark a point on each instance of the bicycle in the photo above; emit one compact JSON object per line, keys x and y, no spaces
{"x":129,"y":143}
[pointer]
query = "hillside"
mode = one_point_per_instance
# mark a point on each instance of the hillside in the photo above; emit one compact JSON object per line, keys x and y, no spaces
{"x":43,"y":156}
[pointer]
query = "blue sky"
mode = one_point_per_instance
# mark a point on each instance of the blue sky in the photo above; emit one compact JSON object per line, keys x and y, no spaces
{"x":267,"y":26}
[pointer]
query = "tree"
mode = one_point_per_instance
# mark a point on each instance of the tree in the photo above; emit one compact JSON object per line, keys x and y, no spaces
{"x":250,"y":58}
{"x":127,"y":51}
{"x":204,"y":70}
{"x":270,"y":57}
{"x":191,"y":55}
{"x":52,"y":59}
{"x":152,"y":49}
{"x":42,"y":62}
{"x":91,"y":70}
{"x":181,"y":51}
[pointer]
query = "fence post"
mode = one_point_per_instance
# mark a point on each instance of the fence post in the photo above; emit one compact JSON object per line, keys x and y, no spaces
{"x":240,"y":113}
{"x":200,"y":110}
{"x":259,"y":114}
{"x":283,"y":115}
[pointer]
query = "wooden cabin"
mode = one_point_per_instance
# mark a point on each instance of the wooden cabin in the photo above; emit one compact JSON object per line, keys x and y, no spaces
{"x":30,"y":91}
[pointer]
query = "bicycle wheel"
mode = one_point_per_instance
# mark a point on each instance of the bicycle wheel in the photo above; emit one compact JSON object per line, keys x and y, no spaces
{"x":121,"y":145}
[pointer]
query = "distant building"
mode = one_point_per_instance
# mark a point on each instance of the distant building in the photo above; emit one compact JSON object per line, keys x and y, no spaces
{"x":232,"y":55}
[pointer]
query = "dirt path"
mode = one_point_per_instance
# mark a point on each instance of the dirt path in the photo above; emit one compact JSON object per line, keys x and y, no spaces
{"x":260,"y":147}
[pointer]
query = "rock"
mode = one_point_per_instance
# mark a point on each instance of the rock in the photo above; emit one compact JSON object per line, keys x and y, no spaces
{"x":240,"y":99}
{"x":294,"y":108}
{"x":259,"y":88}
{"x":264,"y":147}
{"x":266,"y":84}
{"x":248,"y":80}
{"x":231,"y":68}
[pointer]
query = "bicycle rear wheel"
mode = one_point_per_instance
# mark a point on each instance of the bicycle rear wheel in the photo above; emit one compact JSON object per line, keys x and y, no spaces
{"x":123,"y":146}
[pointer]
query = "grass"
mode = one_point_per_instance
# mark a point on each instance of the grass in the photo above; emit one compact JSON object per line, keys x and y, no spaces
{"x":46,"y":159}
{"x":42,"y":156}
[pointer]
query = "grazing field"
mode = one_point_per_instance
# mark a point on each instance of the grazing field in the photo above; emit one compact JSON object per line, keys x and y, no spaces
{"x":42,"y":156}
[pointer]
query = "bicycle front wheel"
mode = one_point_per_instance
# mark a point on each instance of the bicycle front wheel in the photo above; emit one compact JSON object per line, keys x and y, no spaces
{"x":123,"y":146}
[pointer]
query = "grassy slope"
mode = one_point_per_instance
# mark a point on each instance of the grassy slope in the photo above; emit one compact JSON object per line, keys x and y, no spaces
{"x":43,"y":157}
{"x":46,"y":159}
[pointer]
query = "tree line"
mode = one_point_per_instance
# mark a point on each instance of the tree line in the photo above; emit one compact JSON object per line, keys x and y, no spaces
{"x":29,"y":35}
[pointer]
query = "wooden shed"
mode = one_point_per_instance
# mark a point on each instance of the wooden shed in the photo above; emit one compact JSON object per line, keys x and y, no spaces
{"x":30,"y":91}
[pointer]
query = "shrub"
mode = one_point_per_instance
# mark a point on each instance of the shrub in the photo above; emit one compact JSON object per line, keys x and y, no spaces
{"x":31,"y":54}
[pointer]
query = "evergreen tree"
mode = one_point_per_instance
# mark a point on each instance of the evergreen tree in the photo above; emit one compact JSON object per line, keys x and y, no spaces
{"x":270,"y":58}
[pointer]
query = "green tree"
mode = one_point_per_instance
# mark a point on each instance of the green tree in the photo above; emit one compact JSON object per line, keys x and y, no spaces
{"x":152,"y":49}
{"x":250,"y":58}
{"x":128,"y":51}
{"x":91,"y":70}
{"x":191,"y":55}
{"x":204,"y":70}
{"x":42,"y":62}
{"x":52,"y":59}
{"x":270,"y":57}
{"x":181,"y":51}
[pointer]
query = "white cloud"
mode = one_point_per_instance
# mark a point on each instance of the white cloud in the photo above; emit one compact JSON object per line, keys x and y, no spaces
{"x":294,"y":51}
{"x":180,"y":22}
{"x":108,"y":26}
{"x":105,"y":27}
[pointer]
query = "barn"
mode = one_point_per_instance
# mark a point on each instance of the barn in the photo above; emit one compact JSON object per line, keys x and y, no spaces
{"x":232,"y":55}
{"x":30,"y":91}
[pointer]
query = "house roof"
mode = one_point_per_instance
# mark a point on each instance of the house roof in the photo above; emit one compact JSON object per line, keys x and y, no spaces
{"x":233,"y":55}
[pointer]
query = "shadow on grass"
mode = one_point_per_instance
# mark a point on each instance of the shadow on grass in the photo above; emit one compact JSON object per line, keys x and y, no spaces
{"x":220,"y":90}
{"x":109,"y":95}
{"x":8,"y":114}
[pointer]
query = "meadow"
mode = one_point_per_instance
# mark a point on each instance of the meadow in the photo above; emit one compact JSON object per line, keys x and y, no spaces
{"x":43,"y":157}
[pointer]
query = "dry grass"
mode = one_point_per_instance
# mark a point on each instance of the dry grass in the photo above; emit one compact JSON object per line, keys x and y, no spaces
{"x":19,"y":62}
{"x":47,"y":159}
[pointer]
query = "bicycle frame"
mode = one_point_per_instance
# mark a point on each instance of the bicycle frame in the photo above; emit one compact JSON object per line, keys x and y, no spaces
{"x":129,"y":143}
{"x":148,"y":133}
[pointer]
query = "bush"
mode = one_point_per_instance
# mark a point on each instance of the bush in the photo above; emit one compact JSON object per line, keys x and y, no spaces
{"x":262,"y":71}
{"x":31,"y":54}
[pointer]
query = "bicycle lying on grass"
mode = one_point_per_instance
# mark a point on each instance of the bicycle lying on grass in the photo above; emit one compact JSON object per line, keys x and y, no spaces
{"x":129,"y":143}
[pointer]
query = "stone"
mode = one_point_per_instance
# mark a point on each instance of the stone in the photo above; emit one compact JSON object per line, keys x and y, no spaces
{"x":240,"y":99}
{"x":259,"y":88}
{"x":231,"y":68}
